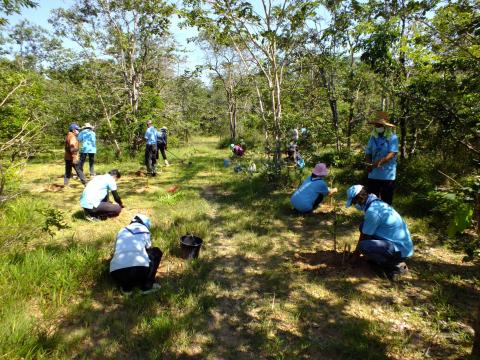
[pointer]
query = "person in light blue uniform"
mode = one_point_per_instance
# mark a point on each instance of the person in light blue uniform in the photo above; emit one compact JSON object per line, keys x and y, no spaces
{"x":312,"y":191}
{"x":95,"y":200}
{"x":381,"y":155}
{"x":384,"y":237}
{"x":89,"y":147}
{"x":151,"y":148}
{"x":135,"y":261}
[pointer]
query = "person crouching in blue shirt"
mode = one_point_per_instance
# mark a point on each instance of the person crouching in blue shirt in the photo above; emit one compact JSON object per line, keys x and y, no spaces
{"x":384,"y":237}
{"x":312,"y":191}
{"x":381,"y":154}
{"x":135,"y":261}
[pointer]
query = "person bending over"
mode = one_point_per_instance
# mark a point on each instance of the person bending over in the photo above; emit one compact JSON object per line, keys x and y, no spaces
{"x":384,"y":237}
{"x":94,"y":199}
{"x":135,"y":262}
{"x":312,"y":191}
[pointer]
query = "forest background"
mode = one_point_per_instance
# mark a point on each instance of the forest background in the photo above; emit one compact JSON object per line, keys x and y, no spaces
{"x":326,"y":66}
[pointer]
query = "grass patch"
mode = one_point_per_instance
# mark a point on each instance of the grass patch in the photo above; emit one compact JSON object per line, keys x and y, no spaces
{"x":267,"y":283}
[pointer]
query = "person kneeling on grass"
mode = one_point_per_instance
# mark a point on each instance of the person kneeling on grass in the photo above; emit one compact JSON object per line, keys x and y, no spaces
{"x":135,"y":261}
{"x":312,"y":191}
{"x":237,"y":150}
{"x":384,"y":237}
{"x":94,"y":198}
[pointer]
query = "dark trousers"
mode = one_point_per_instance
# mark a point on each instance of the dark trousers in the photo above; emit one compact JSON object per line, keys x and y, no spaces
{"x":139,"y":276}
{"x":317,"y":202}
{"x":68,"y":172}
{"x":91,"y":161}
{"x":161,"y":149}
{"x":380,"y":252}
{"x":151,"y":157}
{"x":382,"y":188}
{"x":105,"y":209}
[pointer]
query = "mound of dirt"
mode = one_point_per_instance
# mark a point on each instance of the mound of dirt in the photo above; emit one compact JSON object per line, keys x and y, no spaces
{"x":173,"y":189}
{"x":54,"y":188}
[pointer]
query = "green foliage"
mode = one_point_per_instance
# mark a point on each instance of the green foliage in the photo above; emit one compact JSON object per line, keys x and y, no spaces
{"x":53,"y":219}
{"x":20,"y":222}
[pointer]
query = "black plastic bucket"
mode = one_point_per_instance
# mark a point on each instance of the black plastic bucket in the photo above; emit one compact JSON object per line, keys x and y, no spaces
{"x":190,"y":245}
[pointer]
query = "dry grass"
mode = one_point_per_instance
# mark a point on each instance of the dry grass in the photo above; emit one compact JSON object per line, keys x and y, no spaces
{"x":267,"y":284}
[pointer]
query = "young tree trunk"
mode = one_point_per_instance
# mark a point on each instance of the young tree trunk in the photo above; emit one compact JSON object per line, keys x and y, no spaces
{"x":476,"y":338}
{"x":413,"y":144}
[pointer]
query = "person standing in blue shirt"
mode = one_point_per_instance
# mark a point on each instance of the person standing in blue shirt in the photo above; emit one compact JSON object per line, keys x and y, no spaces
{"x":312,"y":191}
{"x":381,"y":154}
{"x":89,"y":147}
{"x":384,"y":237}
{"x":162,"y":144}
{"x":151,"y":148}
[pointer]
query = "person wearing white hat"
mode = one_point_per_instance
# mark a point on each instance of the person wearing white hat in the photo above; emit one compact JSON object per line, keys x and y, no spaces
{"x":162,"y":144}
{"x":312,"y":191}
{"x":381,"y":154}
{"x":135,"y":262}
{"x":89,"y":147}
{"x":384,"y":237}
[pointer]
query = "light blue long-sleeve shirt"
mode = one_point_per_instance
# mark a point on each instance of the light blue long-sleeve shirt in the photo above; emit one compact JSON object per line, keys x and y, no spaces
{"x":89,"y":141}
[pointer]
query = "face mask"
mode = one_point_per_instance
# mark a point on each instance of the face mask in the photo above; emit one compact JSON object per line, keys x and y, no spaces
{"x":358,"y":207}
{"x":380,"y":130}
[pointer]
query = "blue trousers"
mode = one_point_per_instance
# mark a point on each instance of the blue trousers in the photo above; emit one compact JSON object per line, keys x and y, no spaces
{"x":381,"y":252}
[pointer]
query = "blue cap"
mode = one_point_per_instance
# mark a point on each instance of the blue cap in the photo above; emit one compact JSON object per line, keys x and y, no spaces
{"x":73,"y":126}
{"x":143,"y":219}
{"x":352,"y":192}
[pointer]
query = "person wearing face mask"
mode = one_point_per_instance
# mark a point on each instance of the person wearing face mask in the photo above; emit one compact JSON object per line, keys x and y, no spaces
{"x":384,"y":237}
{"x":381,"y":155}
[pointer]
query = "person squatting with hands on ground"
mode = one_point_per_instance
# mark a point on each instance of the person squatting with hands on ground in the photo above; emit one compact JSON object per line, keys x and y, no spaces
{"x":381,"y":155}
{"x":94,"y":199}
{"x":135,"y":262}
{"x":312,"y":191}
{"x":384,"y":237}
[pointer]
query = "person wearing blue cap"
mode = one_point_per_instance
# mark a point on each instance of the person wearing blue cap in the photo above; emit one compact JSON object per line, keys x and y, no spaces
{"x":72,"y":157}
{"x":381,"y":155}
{"x":151,"y":148}
{"x":135,"y":262}
{"x":384,"y":237}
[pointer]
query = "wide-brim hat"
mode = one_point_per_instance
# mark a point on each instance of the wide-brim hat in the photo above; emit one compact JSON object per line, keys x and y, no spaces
{"x":87,"y":126}
{"x":320,"y":170}
{"x":381,"y":118}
